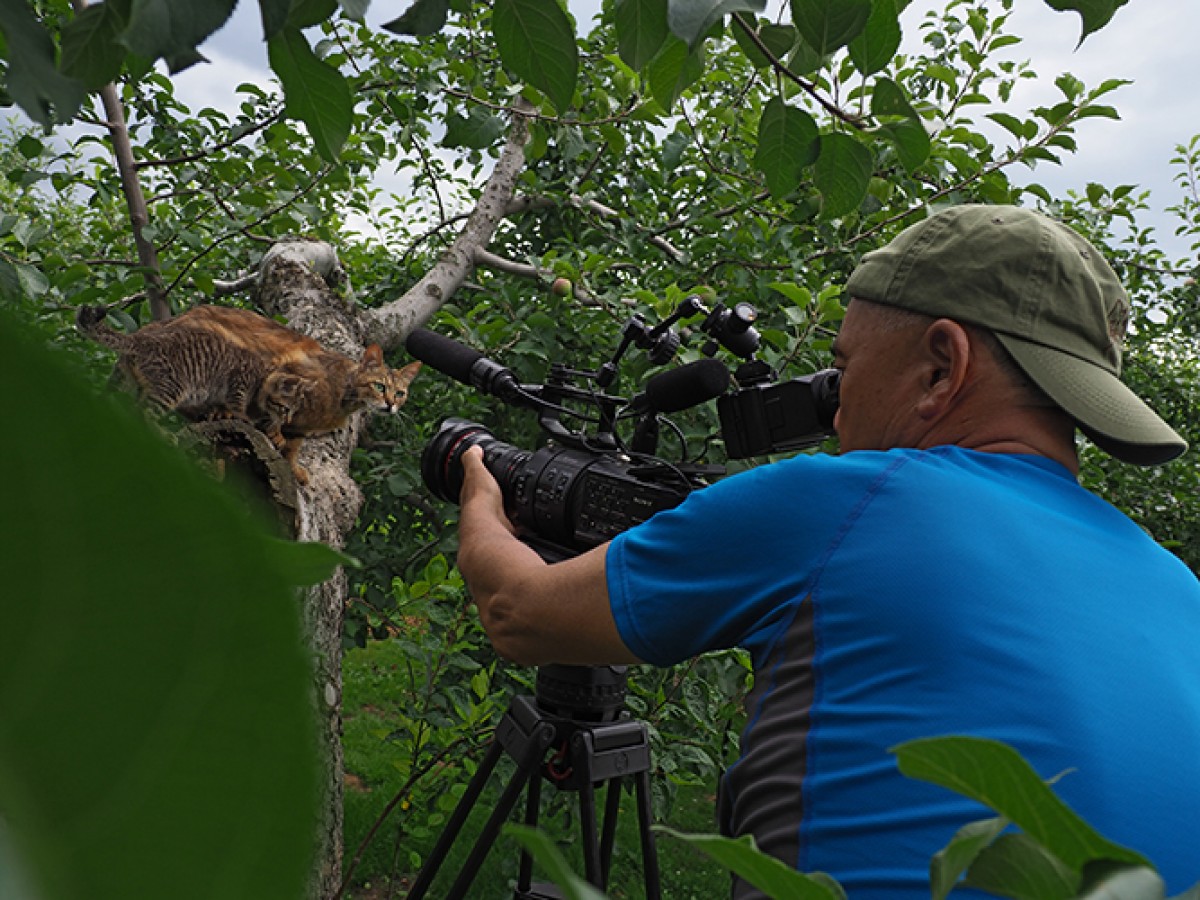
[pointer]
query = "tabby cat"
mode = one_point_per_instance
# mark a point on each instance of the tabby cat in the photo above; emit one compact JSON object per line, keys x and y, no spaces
{"x":215,"y":362}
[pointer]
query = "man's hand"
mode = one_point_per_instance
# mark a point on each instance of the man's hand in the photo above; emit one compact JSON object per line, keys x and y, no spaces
{"x":480,"y":491}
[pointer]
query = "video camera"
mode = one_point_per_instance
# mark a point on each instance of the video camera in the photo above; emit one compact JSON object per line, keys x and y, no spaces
{"x":584,"y":487}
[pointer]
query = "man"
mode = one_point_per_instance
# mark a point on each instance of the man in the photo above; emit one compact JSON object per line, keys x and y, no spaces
{"x":946,"y":574}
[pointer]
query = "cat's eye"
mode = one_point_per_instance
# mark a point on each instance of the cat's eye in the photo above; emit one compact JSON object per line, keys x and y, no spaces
{"x":379,"y":386}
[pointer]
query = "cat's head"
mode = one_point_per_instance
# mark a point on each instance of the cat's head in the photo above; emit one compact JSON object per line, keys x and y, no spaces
{"x":379,"y":387}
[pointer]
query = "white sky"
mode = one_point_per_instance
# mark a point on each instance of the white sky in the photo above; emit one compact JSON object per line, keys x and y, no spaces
{"x":1153,"y":43}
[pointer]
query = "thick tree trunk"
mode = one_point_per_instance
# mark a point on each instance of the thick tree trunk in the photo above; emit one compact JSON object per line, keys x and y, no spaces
{"x":302,"y":282}
{"x":295,"y":283}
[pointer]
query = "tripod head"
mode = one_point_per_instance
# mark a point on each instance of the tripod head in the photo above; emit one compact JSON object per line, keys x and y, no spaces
{"x":581,"y":693}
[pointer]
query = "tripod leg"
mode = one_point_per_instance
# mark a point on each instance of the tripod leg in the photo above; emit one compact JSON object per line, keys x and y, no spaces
{"x":533,"y":801}
{"x":587,"y":822}
{"x":450,"y":832}
{"x":528,"y":765}
{"x":612,"y":804}
{"x":649,"y":850}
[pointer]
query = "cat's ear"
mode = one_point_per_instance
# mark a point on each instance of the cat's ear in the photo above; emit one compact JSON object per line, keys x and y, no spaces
{"x":409,"y":372}
{"x":373,"y":355}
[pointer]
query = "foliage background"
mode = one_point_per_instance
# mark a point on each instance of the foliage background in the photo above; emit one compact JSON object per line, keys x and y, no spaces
{"x":661,"y":168}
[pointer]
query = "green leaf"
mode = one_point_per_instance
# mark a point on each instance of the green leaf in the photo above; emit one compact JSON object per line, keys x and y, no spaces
{"x":305,"y":563}
{"x":771,"y":876}
{"x":997,"y":776}
{"x":154,"y":687}
{"x":90,"y":51}
{"x":1010,"y":122}
{"x":10,"y":282}
{"x":1094,"y":13}
{"x":641,"y":30}
{"x":827,"y":25}
{"x":673,"y":70}
{"x":690,"y":19}
{"x":274,"y":15}
{"x":33,"y":281}
{"x":34,"y":82}
{"x":842,"y":174}
{"x":314,"y":91}
{"x":951,"y":861}
{"x":355,"y":10}
{"x":1114,"y":881}
{"x":1019,"y":867}
{"x":309,"y":13}
{"x":542,"y":849}
{"x":424,"y":17}
{"x":788,"y":141}
{"x":874,"y":48}
{"x":173,"y":29}
{"x":30,"y":148}
{"x":477,"y":131}
{"x":536,"y":42}
{"x":778,"y":39}
{"x":908,"y":134}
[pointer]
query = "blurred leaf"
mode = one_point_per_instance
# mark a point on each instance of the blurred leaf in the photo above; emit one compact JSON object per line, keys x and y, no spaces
{"x":770,"y":875}
{"x":90,"y":50}
{"x":155,"y":727}
{"x":1017,"y":866}
{"x":305,"y":563}
{"x":33,"y":80}
{"x":315,"y":92}
{"x":537,"y":43}
{"x":542,"y":849}
{"x":1116,"y":881}
{"x":952,"y":861}
{"x":997,"y":776}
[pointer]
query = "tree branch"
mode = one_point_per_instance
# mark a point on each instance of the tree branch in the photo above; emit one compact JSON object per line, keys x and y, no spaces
{"x":804,"y":84}
{"x":390,"y":324}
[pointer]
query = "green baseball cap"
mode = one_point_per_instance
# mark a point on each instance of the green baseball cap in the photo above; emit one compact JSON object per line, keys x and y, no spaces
{"x":1049,"y":297}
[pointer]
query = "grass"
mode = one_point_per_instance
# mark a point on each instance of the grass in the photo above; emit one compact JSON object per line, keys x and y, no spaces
{"x":377,"y":729}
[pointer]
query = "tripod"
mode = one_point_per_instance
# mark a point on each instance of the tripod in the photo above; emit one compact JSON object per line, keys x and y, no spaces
{"x":576,"y":712}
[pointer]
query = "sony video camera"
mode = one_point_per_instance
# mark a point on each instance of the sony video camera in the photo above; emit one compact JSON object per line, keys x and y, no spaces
{"x":584,"y":487}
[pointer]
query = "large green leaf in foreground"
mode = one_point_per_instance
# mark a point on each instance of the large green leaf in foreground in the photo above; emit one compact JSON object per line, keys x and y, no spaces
{"x":155,"y":732}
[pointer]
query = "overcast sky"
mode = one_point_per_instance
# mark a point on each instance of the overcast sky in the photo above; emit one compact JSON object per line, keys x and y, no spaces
{"x":1153,"y":43}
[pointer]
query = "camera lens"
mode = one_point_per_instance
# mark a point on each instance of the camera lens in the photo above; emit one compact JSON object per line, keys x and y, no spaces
{"x":441,"y":461}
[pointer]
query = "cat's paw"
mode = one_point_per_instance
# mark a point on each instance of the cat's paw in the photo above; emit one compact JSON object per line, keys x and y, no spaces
{"x":301,"y":473}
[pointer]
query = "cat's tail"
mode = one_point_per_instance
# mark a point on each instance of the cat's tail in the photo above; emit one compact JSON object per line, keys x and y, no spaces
{"x":91,"y":321}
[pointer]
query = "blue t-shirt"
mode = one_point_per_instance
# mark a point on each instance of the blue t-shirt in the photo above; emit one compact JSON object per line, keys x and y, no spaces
{"x":909,"y":594}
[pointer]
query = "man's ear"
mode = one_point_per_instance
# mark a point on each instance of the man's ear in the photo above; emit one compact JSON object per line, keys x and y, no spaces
{"x":946,"y":351}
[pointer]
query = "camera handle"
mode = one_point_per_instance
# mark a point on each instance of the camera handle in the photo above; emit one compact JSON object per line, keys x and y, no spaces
{"x":585,"y":755}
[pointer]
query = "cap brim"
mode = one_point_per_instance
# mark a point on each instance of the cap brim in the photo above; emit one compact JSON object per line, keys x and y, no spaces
{"x":1107,"y":411}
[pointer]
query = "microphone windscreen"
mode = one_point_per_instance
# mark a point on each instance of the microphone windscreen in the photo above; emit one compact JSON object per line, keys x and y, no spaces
{"x":445,"y":354}
{"x":687,"y":386}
